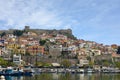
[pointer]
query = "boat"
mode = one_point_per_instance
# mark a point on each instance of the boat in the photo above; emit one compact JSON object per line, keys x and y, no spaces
{"x":80,"y":70}
{"x":10,"y":71}
{"x":90,"y":70}
{"x":28,"y":71}
{"x":2,"y":77}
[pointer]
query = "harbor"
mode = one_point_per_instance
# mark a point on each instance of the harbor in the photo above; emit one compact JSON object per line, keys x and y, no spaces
{"x":76,"y":70}
{"x":13,"y":71}
{"x":66,"y":76}
{"x":30,"y":71}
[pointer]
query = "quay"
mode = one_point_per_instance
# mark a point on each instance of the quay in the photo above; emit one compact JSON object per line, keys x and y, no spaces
{"x":28,"y":71}
{"x":75,"y":70}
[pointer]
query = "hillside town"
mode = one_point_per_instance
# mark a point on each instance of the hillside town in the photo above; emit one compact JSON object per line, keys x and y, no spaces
{"x":54,"y":48}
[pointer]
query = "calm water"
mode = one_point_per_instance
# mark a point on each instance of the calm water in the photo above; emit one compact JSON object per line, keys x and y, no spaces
{"x":54,"y":76}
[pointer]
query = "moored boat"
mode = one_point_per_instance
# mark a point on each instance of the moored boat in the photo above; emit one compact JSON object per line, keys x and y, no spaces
{"x":10,"y":71}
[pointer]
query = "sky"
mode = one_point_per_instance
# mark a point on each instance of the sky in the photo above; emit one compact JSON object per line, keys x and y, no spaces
{"x":94,"y":20}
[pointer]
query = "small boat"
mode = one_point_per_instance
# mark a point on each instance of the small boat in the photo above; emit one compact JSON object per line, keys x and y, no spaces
{"x":28,"y":71}
{"x":2,"y":77}
{"x":105,"y":71}
{"x":90,"y":70}
{"x":80,"y":70}
{"x":15,"y":72}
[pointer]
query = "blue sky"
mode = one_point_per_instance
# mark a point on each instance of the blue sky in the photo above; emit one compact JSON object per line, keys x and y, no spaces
{"x":94,"y":20}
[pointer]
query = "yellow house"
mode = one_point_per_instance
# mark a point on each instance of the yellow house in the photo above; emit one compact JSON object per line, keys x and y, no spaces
{"x":18,"y":51}
{"x":21,"y":51}
{"x":13,"y":46}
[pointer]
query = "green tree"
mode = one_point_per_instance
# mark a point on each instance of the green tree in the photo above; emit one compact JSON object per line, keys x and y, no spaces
{"x":6,"y":63}
{"x":42,"y":42}
{"x":9,"y":63}
{"x":43,"y":64}
{"x":117,"y":64}
{"x":17,"y":33}
{"x":91,"y":63}
{"x":105,"y":62}
{"x":3,"y":62}
{"x":66,"y":63}
{"x":27,"y":53}
{"x":3,"y":34}
{"x":118,"y":50}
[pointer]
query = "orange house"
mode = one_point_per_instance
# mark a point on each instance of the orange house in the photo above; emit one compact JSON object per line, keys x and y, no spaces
{"x":35,"y":49}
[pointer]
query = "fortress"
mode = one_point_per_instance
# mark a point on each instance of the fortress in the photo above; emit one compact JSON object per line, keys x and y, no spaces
{"x":67,"y":32}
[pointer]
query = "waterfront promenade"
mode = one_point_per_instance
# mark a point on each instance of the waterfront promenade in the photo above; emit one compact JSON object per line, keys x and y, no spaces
{"x":76,"y":70}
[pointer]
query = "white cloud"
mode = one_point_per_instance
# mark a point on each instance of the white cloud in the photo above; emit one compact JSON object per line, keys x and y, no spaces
{"x":44,"y":13}
{"x":19,"y":13}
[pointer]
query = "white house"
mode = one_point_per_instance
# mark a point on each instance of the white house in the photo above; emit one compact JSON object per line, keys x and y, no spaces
{"x":17,"y":59}
{"x":83,"y":62}
{"x":11,"y":36}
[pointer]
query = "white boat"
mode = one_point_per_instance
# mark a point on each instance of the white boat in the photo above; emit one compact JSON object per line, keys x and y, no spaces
{"x":80,"y":70}
{"x":90,"y":70}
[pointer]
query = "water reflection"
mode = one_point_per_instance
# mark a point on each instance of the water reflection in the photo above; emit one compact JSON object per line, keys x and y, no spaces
{"x":13,"y":78}
{"x":67,"y":76}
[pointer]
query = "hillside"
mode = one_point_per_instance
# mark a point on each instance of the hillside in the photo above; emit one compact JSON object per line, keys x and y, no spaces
{"x":67,"y":32}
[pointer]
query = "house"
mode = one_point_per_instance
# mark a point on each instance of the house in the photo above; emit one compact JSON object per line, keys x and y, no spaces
{"x":59,"y":36}
{"x":10,"y":41}
{"x":13,"y":46}
{"x":5,"y":51}
{"x":81,"y":52}
{"x":52,"y":39}
{"x":17,"y":59}
{"x":82,"y":58}
{"x":94,"y":52}
{"x":16,"y":48}
{"x":116,"y":56}
{"x":2,"y":42}
{"x":45,"y":36}
{"x":20,"y":51}
{"x":35,"y":49}
{"x":30,"y":34}
{"x":83,"y":62}
{"x":28,"y":41}
{"x":11,"y":36}
{"x":55,"y":50}
{"x":73,"y":49}
{"x":33,"y":42}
